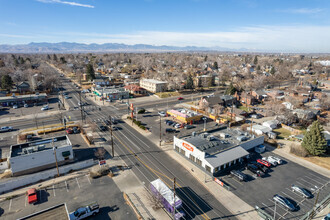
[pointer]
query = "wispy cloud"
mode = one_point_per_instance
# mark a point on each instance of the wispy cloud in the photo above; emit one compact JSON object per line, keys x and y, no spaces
{"x":66,"y":3}
{"x":303,"y":10}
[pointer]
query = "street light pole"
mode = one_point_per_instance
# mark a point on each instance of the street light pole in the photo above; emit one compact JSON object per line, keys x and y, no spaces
{"x":274,"y":211}
{"x":204,"y":123}
{"x":160,"y":130}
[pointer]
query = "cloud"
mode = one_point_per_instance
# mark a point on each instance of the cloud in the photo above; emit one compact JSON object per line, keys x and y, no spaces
{"x":303,"y":10}
{"x":259,"y":38}
{"x":66,"y":3}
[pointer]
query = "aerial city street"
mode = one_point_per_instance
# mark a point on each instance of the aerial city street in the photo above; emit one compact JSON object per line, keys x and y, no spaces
{"x":211,"y":113}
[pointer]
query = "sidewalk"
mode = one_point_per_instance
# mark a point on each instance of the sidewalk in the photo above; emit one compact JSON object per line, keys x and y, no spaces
{"x":284,"y":152}
{"x":229,"y":200}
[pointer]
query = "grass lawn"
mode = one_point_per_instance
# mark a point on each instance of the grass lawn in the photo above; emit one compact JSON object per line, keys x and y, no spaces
{"x":282,"y":133}
{"x":321,"y":161}
{"x":167,"y":94}
{"x":244,"y":108}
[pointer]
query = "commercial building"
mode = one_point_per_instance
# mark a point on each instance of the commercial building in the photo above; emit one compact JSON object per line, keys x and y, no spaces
{"x":185,"y":115}
{"x":40,"y":155}
{"x":217,"y":151}
{"x":111,"y":93}
{"x":153,"y":85}
{"x":23,"y":99}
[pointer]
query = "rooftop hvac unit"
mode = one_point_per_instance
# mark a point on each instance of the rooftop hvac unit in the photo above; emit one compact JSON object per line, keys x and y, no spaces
{"x":29,"y":150}
{"x":41,"y":147}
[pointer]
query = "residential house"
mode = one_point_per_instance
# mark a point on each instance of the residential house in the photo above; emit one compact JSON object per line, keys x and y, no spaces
{"x":304,"y":114}
{"x":260,"y":94}
{"x":246,"y":98}
{"x":276,"y":95}
{"x":101,"y":82}
{"x":23,"y":87}
{"x":212,"y":105}
{"x":204,"y":81}
{"x":228,"y":100}
{"x":136,"y":90}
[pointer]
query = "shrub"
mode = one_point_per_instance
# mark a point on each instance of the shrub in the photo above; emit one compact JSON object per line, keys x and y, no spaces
{"x":141,"y":111}
{"x":298,"y":150}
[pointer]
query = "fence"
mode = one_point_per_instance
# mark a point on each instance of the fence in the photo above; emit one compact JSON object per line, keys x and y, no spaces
{"x":17,"y":182}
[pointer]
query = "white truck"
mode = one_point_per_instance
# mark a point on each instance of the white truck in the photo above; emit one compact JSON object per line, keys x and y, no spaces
{"x":85,"y":211}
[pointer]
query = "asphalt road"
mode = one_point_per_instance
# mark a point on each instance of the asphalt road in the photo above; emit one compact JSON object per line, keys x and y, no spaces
{"x":149,"y":163}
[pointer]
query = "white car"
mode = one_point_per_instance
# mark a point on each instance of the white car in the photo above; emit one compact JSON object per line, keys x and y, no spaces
{"x":6,"y":128}
{"x":15,"y":106}
{"x":270,"y":160}
{"x":162,"y":114}
{"x":45,"y":108}
{"x":278,"y":160}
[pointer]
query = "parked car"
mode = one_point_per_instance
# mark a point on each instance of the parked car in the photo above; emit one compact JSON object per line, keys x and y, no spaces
{"x":162,"y":114}
{"x":46,"y":107}
{"x":169,"y":122}
{"x":32,"y":196}
{"x":278,"y":160}
{"x":270,"y":160}
{"x":180,"y":98}
{"x":189,"y":126}
{"x":69,"y":131}
{"x":75,"y":130}
{"x":85,"y":211}
{"x":170,"y":130}
{"x":284,"y":202}
{"x":239,"y":175}
{"x":26,"y":105}
{"x":6,"y":128}
{"x":15,"y":106}
{"x":264,"y":162}
{"x":103,"y":128}
{"x":261,"y":167}
{"x":178,"y":125}
{"x":66,"y":97}
{"x":254,"y":169}
{"x":303,"y":192}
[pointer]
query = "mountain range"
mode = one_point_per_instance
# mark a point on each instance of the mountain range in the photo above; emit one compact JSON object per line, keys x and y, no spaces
{"x":67,"y":47}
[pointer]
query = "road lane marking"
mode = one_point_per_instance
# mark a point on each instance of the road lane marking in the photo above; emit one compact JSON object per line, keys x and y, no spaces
{"x":10,"y":204}
{"x":88,"y":180}
{"x":66,"y":185}
{"x":54,"y":190}
{"x":272,"y":210}
{"x":77,"y":182}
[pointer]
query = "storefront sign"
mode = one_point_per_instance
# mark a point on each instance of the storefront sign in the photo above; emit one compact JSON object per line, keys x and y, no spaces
{"x":187,"y":146}
{"x":218,"y":181}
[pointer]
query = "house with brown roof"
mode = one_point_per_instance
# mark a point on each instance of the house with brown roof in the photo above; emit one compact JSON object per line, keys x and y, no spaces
{"x":136,"y":90}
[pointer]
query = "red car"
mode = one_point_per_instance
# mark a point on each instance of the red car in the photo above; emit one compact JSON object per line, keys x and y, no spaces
{"x":180,"y":98}
{"x":264,"y":162}
{"x":69,"y":131}
{"x":32,"y":196}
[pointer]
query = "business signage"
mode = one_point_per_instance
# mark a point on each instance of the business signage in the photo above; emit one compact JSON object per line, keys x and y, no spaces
{"x":218,"y":181}
{"x":102,"y":162}
{"x":187,"y":146}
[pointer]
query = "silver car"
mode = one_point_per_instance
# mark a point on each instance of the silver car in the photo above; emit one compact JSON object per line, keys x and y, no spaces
{"x":278,"y":160}
{"x":303,"y":192}
{"x":284,"y":202}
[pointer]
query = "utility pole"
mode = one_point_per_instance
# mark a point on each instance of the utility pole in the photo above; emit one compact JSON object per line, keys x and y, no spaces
{"x":174,"y":198}
{"x":112,"y":147}
{"x":54,"y":149}
{"x":160,"y":130}
{"x":81,"y":104}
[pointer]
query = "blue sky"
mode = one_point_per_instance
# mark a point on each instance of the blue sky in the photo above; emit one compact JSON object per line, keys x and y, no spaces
{"x":268,"y":25}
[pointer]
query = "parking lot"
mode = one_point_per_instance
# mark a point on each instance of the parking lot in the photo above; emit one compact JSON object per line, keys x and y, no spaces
{"x":259,"y":191}
{"x":151,"y":120}
{"x":75,"y":193}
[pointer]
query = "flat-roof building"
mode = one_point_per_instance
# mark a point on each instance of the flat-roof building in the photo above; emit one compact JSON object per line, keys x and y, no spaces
{"x":153,"y":85}
{"x":217,"y":151}
{"x":111,"y":93}
{"x":185,"y":115}
{"x":40,"y":155}
{"x":23,"y":99}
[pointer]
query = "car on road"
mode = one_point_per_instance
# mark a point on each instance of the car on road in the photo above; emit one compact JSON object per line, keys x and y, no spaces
{"x":32,"y":196}
{"x":264,"y":162}
{"x":170,"y":130}
{"x":26,"y":105}
{"x":284,"y":202}
{"x":239,"y":175}
{"x":162,"y":114}
{"x":270,"y":160}
{"x":66,"y":97}
{"x":6,"y":128}
{"x":15,"y":106}
{"x":69,"y":131}
{"x":254,"y":169}
{"x":303,"y":192}
{"x":180,"y":98}
{"x":44,"y":108}
{"x":189,"y":126}
{"x":103,"y":128}
{"x":278,"y":160}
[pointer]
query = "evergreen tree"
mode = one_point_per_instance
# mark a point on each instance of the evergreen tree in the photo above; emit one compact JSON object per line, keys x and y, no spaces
{"x":272,"y":70}
{"x":62,"y":59}
{"x":255,"y":61}
{"x":215,"y":65}
{"x":6,"y":82}
{"x":258,"y":67}
{"x":231,"y":89}
{"x":90,"y":72}
{"x":205,"y":58}
{"x":314,"y":141}
{"x":190,"y":82}
{"x":54,"y":57}
{"x":48,"y":57}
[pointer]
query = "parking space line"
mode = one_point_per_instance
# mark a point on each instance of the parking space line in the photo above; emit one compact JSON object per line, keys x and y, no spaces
{"x":88,"y":179}
{"x":10,"y":204}
{"x":272,"y":210}
{"x":313,"y":185}
{"x":326,"y":180}
{"x":77,"y":182}
{"x":66,"y":185}
{"x":54,"y":190}
{"x":315,"y":181}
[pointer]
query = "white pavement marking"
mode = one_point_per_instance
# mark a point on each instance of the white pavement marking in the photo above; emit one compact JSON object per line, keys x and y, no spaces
{"x":313,"y":185}
{"x":277,"y":214}
{"x":66,"y":185}
{"x":10,"y":204}
{"x":25,"y":199}
{"x":77,"y":182}
{"x":88,"y":179}
{"x":315,"y":181}
{"x":323,"y":179}
{"x":12,"y":137}
{"x":54,"y":190}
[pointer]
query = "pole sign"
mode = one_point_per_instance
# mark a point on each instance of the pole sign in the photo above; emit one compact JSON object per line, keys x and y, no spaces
{"x":132,"y":110}
{"x":102,"y":162}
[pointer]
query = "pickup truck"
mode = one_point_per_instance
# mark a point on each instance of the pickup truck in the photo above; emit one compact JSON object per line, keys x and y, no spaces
{"x":85,"y":211}
{"x":5,"y":129}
